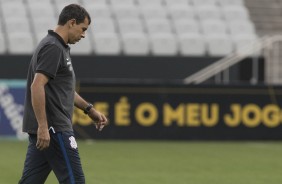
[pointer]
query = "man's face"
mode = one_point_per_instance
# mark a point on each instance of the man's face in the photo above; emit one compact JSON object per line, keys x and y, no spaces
{"x":77,"y":31}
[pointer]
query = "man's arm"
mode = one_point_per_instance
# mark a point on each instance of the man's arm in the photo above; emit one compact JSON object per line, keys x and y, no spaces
{"x":79,"y":102}
{"x":99,"y":119}
{"x":38,"y":104}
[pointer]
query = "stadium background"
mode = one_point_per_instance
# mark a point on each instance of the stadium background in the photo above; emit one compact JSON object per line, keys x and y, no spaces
{"x":167,"y":73}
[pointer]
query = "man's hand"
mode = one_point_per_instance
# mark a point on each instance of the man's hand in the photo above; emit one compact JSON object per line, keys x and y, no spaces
{"x":43,"y":138}
{"x":99,"y":119}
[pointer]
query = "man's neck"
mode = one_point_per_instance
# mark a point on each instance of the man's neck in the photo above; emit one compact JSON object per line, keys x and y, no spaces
{"x":62,"y":32}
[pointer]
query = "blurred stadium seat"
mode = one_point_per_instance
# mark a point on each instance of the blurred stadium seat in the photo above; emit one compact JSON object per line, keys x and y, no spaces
{"x":241,"y":41}
{"x":103,"y":25}
{"x":107,"y":44}
{"x":1,"y":26}
{"x":159,"y":25}
{"x":99,"y":11}
{"x":13,"y":9}
{"x":241,"y":28}
{"x":39,"y":2}
{"x":125,"y":11}
{"x":219,"y":45}
{"x":171,"y":3}
{"x":130,"y":25}
{"x":95,"y":2}
{"x":235,"y":13}
{"x":153,"y":12}
{"x":20,"y":43}
{"x":2,"y":43}
{"x":182,"y":26}
{"x":41,"y":25}
{"x":123,"y":22}
{"x":17,"y":25}
{"x":150,"y":3}
{"x":135,"y":43}
{"x":60,"y":4}
{"x":116,"y":3}
{"x":213,"y":27}
{"x":239,"y":3}
{"x":163,"y":44}
{"x":84,"y":47}
{"x":181,"y":12}
{"x":191,"y":44}
{"x":208,"y":12}
{"x":41,"y":10}
{"x":204,"y":2}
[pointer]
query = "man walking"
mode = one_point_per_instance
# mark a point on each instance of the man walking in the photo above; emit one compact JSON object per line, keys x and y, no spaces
{"x":49,"y":103}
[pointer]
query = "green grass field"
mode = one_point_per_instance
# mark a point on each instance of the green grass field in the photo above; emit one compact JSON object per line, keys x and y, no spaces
{"x":163,"y":162}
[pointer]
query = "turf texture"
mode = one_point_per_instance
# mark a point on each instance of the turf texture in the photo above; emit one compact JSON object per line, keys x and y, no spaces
{"x":162,"y":162}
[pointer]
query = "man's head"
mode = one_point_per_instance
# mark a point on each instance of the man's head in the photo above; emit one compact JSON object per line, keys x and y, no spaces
{"x":77,"y":20}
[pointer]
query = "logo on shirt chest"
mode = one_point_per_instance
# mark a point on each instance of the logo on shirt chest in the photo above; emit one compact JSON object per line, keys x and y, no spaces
{"x":69,"y":64}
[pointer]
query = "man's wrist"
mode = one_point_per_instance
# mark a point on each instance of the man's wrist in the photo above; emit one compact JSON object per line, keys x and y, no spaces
{"x":42,"y":124}
{"x":88,"y":108}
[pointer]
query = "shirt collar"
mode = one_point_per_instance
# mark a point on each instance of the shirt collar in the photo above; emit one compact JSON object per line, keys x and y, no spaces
{"x":51,"y":32}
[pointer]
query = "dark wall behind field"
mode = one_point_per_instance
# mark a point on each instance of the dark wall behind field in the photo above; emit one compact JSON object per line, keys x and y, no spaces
{"x":121,"y":67}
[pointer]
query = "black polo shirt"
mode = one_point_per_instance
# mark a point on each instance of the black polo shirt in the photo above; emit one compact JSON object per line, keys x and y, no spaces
{"x":52,"y":58}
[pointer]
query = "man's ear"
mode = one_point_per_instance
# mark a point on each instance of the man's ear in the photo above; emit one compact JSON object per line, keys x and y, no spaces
{"x":72,"y":22}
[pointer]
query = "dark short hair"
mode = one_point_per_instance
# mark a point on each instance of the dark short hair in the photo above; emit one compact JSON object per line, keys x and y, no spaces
{"x":73,"y":11}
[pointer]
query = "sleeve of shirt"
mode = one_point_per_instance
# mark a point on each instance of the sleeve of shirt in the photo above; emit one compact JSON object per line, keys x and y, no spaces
{"x":49,"y":60}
